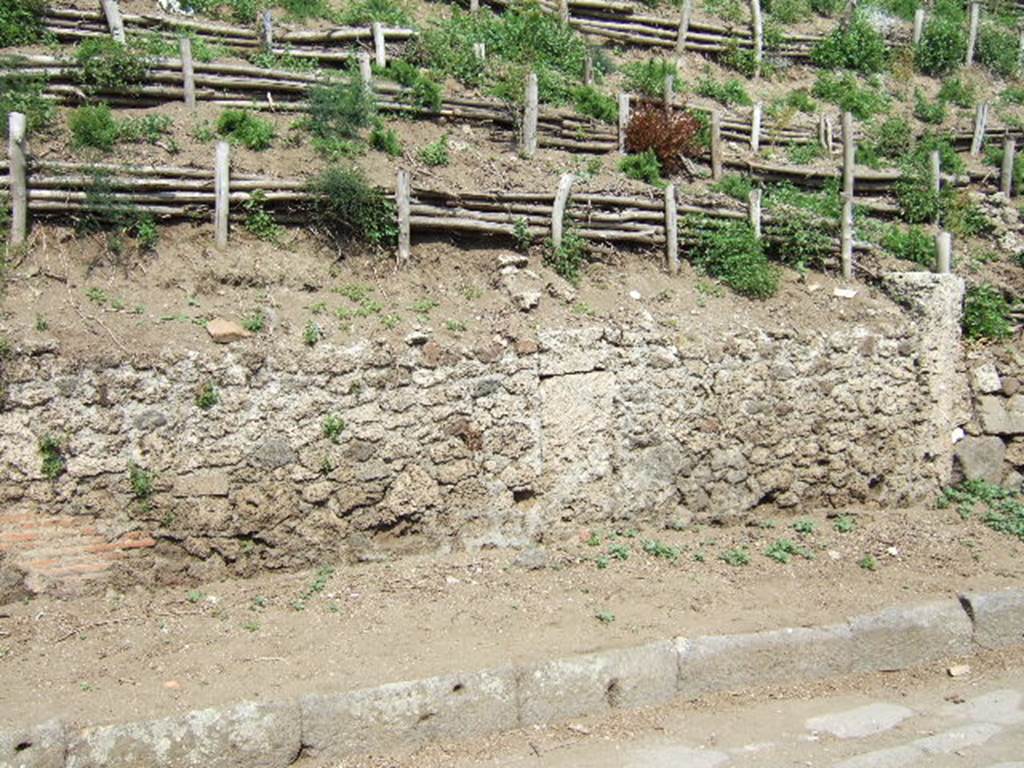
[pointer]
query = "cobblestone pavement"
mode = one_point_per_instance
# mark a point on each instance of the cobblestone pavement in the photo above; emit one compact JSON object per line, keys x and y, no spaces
{"x":966,"y":722}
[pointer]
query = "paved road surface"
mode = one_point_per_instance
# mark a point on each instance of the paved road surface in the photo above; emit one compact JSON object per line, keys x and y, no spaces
{"x":971,"y":722}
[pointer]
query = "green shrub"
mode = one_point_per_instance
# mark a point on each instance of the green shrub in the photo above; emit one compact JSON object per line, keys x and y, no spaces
{"x":258,"y":220}
{"x":956,"y":91}
{"x":730,"y":252}
{"x":729,"y":10}
{"x":800,"y":100}
{"x":643,"y":167}
{"x":21,"y":22}
{"x":591,"y":102}
{"x":918,"y":203}
{"x":52,"y":452}
{"x":243,"y":127}
{"x":800,"y":239}
{"x":347,"y":208}
{"x":910,"y":244}
{"x":741,"y":59}
{"x":926,"y":111}
{"x":1013,"y":95}
{"x":825,"y":203}
{"x":986,"y":314}
{"x":962,"y":216}
{"x":997,"y":49}
{"x":728,"y":93}
{"x":436,"y":153}
{"x":648,"y":77}
{"x":828,"y":7}
{"x":148,"y":128}
{"x":106,"y":65}
{"x":141,"y":481}
{"x":207,"y":396}
{"x":386,"y":140}
{"x":789,"y":11}
{"x":25,"y":95}
{"x":359,"y":13}
{"x":340,"y":109}
{"x":856,"y":45}
{"x":994,"y":156}
{"x":802,"y":154}
{"x":736,"y":186}
{"x":891,"y":141}
{"x":287,"y":61}
{"x":568,"y":257}
{"x":943,"y":45}
{"x":93,"y":127}
{"x":848,"y":94}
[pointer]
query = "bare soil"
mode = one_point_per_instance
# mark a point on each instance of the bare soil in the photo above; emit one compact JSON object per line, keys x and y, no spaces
{"x":143,"y":653}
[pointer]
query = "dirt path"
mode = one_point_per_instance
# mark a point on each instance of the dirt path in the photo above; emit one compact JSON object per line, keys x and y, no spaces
{"x":144,"y":653}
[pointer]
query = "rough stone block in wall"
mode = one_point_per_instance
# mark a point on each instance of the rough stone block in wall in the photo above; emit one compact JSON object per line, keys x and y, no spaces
{"x":433,"y":446}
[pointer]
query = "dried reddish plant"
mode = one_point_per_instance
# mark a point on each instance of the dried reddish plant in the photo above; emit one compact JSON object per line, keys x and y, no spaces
{"x":671,"y":136}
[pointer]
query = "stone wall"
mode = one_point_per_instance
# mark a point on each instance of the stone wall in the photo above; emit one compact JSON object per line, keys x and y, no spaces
{"x":508,"y":443}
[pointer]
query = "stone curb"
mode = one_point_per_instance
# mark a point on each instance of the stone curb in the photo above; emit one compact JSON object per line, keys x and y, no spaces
{"x":407,"y":714}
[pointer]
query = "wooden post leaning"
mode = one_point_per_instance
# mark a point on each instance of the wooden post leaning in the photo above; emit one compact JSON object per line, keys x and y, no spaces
{"x":403,"y":190}
{"x":623,"y":121}
{"x":980,"y":119}
{"x":684,"y":26}
{"x":757,"y":32}
{"x":943,"y":253}
{"x":266,"y":23}
{"x":972,"y":32}
{"x":18,"y":184}
{"x":918,"y":26}
{"x":755,"y":128}
{"x":379,"y":50}
{"x":114,"y":21}
{"x":1006,"y":172}
{"x":671,"y":231}
{"x":716,"y":144}
{"x":754,"y":211}
{"x":365,"y":69}
{"x":222,"y":193}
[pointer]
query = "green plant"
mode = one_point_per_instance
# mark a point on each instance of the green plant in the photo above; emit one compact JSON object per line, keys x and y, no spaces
{"x":963,"y":216}
{"x":386,"y":140}
{"x":93,"y":127}
{"x":672,"y":137}
{"x":424,"y":306}
{"x":649,"y":76}
{"x":140,"y":480}
{"x":800,"y":100}
{"x":334,"y":425}
{"x":943,"y":44}
{"x":845,"y":524}
{"x":436,"y":153}
{"x":255,"y":321}
{"x":567,"y":258}
{"x":521,"y":234}
{"x":312,"y":333}
{"x":340,"y":109}
{"x":1012,"y":95}
{"x":986,"y":314}
{"x":148,"y":128}
{"x":997,"y":48}
{"x":207,"y":396}
{"x":804,"y":527}
{"x":854,"y":45}
{"x":258,"y":220}
{"x":388,"y":12}
{"x":591,"y":102}
{"x":910,"y":244}
{"x":1003,"y":508}
{"x":918,"y":202}
{"x":800,"y":238}
{"x":732,"y":253}
{"x":242,"y":127}
{"x":105,"y":65}
{"x":605,"y":617}
{"x":783,"y":550}
{"x":42,"y":325}
{"x":618,"y":551}
{"x":656,"y":548}
{"x":802,"y":154}
{"x":926,"y":111}
{"x":23,"y":94}
{"x":21,"y":22}
{"x":54,"y":463}
{"x":729,"y":93}
{"x":736,"y":557}
{"x":868,"y":563}
{"x":643,"y":167}
{"x":957,"y":91}
{"x":347,"y":208}
{"x":735,"y":185}
{"x":845,"y":91}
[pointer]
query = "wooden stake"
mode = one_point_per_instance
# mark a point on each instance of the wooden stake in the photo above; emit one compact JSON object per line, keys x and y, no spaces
{"x":17,"y":181}
{"x":716,"y":144}
{"x":222,"y":192}
{"x":671,"y":231}
{"x":684,"y":26}
{"x":822,"y":140}
{"x":114,"y":22}
{"x":563,"y":11}
{"x":943,"y":253}
{"x":623,"y":121}
{"x":755,"y":128}
{"x":980,"y":118}
{"x":754,"y":210}
{"x":187,"y":72}
{"x":530,"y":114}
{"x":365,"y":70}
{"x":558,"y":209}
{"x":379,"y":51}
{"x":935,"y":171}
{"x":829,"y":135}
{"x":588,"y":69}
{"x":666,"y":96}
{"x":918,"y":25}
{"x":846,"y":225}
{"x":757,"y":31}
{"x":1020,"y":49}
{"x":403,"y":190}
{"x":480,"y":52}
{"x":474,"y":6}
{"x":972,"y":32}
{"x":266,"y":21}
{"x":1006,"y":175}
